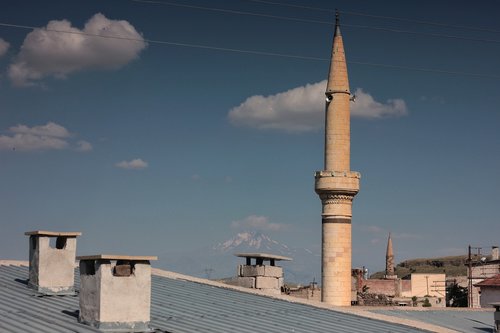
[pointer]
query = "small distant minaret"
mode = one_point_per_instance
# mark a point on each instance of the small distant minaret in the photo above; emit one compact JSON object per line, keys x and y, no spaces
{"x":336,"y":185}
{"x":389,"y":260}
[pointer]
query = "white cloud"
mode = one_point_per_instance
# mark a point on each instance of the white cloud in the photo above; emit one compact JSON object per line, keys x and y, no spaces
{"x":50,"y":129}
{"x":4,"y":46}
{"x":43,"y":137}
{"x":302,"y":109}
{"x":258,"y":223}
{"x":83,"y":146}
{"x":49,"y":52}
{"x":366,"y":106}
{"x":135,"y":164}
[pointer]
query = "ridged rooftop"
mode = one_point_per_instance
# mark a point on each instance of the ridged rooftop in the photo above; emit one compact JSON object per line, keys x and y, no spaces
{"x":180,"y":306}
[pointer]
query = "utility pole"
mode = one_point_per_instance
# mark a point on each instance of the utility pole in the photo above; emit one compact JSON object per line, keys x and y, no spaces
{"x":208,"y":272}
{"x":469,"y":276}
{"x":470,"y":296}
{"x":427,"y":283}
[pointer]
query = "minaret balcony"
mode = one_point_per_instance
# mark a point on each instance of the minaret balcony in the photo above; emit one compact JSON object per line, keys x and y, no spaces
{"x":337,"y":181}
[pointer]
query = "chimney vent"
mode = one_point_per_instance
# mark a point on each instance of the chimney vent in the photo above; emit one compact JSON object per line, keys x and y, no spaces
{"x":267,"y":278}
{"x":115,"y":292}
{"x":52,"y":267}
{"x":495,"y":253}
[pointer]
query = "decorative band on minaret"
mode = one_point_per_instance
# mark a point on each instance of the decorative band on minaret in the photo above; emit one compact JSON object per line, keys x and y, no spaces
{"x":336,"y":185}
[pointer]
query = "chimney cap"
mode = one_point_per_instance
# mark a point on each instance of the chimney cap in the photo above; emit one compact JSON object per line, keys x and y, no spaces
{"x":116,"y":257}
{"x":53,"y":233}
{"x":264,"y":256}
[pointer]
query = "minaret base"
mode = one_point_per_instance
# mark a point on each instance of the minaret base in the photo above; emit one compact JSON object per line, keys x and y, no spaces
{"x":336,"y":259}
{"x":336,"y":190}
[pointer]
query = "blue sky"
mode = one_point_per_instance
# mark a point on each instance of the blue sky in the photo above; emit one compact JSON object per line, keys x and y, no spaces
{"x":151,"y":148}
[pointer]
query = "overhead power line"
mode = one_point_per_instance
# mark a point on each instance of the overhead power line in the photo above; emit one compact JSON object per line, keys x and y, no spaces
{"x":231,"y":11}
{"x":394,"y":18}
{"x":243,"y":51}
{"x":278,"y":17}
{"x":444,"y":25}
{"x":293,"y":5}
{"x":430,"y":34}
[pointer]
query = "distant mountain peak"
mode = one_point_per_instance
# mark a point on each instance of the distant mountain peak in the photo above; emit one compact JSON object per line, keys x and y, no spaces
{"x":251,"y":241}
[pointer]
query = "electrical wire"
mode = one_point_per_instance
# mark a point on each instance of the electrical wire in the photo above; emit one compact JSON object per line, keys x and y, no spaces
{"x":293,"y":5}
{"x":239,"y":12}
{"x":422,"y":33}
{"x":231,"y":11}
{"x":394,"y":18}
{"x":254,"y":52}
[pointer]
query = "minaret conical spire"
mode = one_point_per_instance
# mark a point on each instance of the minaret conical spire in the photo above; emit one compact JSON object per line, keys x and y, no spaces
{"x":337,"y":129}
{"x":337,"y":24}
{"x":389,"y":259}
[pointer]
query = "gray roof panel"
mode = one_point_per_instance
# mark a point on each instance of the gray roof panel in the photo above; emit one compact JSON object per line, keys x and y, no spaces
{"x":180,"y":306}
{"x":467,"y":321}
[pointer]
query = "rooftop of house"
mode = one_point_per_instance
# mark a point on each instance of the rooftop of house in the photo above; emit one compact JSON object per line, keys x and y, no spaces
{"x":182,"y":303}
{"x":490,"y":282}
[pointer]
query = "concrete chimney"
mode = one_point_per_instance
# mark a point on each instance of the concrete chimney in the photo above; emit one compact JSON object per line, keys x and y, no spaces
{"x":495,"y":253}
{"x":268,"y":278}
{"x":52,"y":267}
{"x":115,"y":292}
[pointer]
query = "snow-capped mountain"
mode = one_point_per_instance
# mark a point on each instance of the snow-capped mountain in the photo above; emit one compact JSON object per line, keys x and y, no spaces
{"x":218,"y":261}
{"x":254,"y":241}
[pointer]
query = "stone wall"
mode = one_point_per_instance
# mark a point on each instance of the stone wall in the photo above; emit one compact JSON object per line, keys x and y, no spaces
{"x":264,"y":277}
{"x":379,"y":286}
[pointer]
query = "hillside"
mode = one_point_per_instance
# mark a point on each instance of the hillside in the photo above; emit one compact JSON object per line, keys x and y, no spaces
{"x":451,"y":266}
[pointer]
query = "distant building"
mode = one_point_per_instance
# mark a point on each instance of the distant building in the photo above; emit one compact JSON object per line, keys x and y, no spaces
{"x":481,"y":270}
{"x":489,"y":290}
{"x":392,"y":290}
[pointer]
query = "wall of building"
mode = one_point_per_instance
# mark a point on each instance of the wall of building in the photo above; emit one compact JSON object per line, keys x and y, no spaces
{"x":423,"y":284}
{"x":307,"y":293}
{"x":406,"y":288}
{"x":489,"y":295}
{"x":379,"y":286}
{"x":479,"y":273}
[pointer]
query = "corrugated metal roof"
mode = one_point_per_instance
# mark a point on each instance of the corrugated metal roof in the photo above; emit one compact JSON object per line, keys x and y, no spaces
{"x":467,"y":321}
{"x":180,"y":306}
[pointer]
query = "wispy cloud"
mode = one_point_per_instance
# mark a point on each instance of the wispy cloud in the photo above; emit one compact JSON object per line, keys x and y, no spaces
{"x":135,"y":164}
{"x":84,"y":146}
{"x":50,"y":136}
{"x":4,"y":46}
{"x":406,"y":235}
{"x":377,"y":232}
{"x":301,"y":109}
{"x":256,"y":222}
{"x":47,"y":51}
{"x":370,"y":228}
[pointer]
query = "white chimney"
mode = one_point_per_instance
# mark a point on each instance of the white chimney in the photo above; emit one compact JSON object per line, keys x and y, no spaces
{"x":495,"y":253}
{"x":115,"y":292}
{"x":52,"y":267}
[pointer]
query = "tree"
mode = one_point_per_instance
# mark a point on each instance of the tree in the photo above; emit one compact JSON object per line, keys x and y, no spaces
{"x":426,"y":303}
{"x":456,"y":296}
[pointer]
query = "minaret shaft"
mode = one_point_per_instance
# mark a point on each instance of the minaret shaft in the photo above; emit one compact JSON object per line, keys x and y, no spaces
{"x":336,"y":185}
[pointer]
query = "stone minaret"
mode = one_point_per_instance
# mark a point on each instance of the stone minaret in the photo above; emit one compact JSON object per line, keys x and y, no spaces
{"x":389,"y":260}
{"x":336,"y":185}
